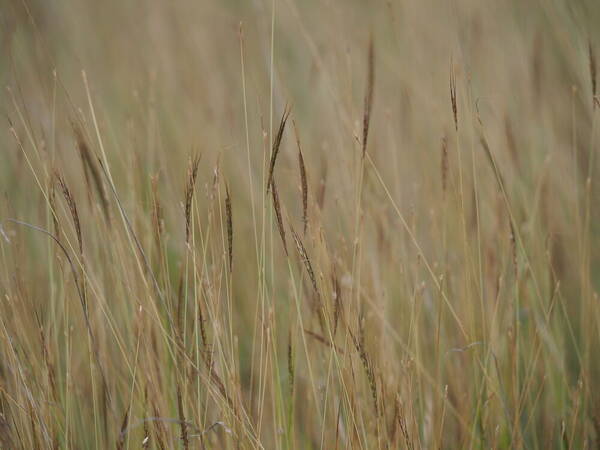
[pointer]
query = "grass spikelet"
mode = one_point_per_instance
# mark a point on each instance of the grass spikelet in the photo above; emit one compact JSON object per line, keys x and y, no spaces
{"x":53,"y":210}
{"x":202,"y":326}
{"x":180,"y":307}
{"x":303,"y":181}
{"x":277,"y":208}
{"x":182,"y":422}
{"x":592,"y":63}
{"x":513,"y":249}
{"x":444,"y":164}
{"x":323,"y":341}
{"x":72,"y":208}
{"x":159,"y":430}
{"x":368,"y":105}
{"x":277,"y":145}
{"x":290,"y":361}
{"x":157,"y":213}
{"x":537,"y":67}
{"x":305,"y":261}
{"x":87,"y":160}
{"x":122,"y":434}
{"x":401,"y":417}
{"x":337,"y":304}
{"x":453,"y":95}
{"x":229,"y":214}
{"x":46,"y":357}
{"x":368,"y":367}
{"x":189,"y":194}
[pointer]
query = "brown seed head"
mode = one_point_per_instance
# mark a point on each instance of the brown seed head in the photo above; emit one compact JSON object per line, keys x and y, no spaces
{"x":368,"y":95}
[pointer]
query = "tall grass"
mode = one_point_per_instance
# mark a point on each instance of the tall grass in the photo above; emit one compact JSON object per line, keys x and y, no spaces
{"x":408,"y":258}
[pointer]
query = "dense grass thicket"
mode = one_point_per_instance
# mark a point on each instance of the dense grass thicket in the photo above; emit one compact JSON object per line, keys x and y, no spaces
{"x":299,"y":224}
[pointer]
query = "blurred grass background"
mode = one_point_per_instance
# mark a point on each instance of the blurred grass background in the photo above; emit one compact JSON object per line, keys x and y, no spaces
{"x":443,"y":295}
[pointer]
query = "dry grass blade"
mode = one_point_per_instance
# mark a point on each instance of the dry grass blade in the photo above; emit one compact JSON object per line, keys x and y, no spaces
{"x":277,"y":208}
{"x":277,"y":145}
{"x":595,"y":423}
{"x":501,"y":187}
{"x":511,"y":142}
{"x":417,"y":273}
{"x":32,"y":425}
{"x":136,"y":240}
{"x":81,"y":295}
{"x":159,"y":429}
{"x":303,"y":181}
{"x":189,"y":194}
{"x":146,"y":426}
{"x":72,"y":208}
{"x":321,"y":188}
{"x":229,"y":227}
{"x":492,"y":161}
{"x":453,"y":95}
{"x":368,"y":95}
{"x":305,"y":261}
{"x":5,"y":433}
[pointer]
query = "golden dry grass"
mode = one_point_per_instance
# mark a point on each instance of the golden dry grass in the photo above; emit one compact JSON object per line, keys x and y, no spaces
{"x":411,"y":260}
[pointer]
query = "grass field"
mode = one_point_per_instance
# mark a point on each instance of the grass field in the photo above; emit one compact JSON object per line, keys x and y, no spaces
{"x":299,"y":224}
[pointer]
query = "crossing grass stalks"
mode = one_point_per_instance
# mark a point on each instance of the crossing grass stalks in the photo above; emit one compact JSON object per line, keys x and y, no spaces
{"x":417,"y":266}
